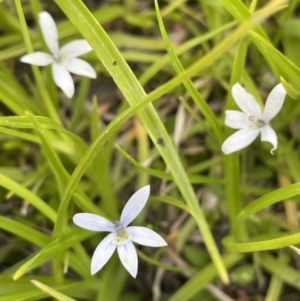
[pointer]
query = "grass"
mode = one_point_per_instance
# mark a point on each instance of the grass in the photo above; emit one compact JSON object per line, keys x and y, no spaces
{"x":154,"y":115}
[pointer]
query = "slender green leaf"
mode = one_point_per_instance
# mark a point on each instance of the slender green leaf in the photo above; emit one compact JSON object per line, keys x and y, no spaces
{"x":203,"y":277}
{"x":258,"y":244}
{"x":286,"y":68}
{"x":284,"y":272}
{"x":27,"y":195}
{"x":52,"y":292}
{"x":196,"y":96}
{"x":267,"y":200}
{"x":173,"y":201}
{"x":53,"y":248}
{"x":167,"y":176}
{"x":24,"y":231}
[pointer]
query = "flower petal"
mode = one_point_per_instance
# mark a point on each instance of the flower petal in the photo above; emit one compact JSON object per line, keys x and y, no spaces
{"x":103,"y":253}
{"x":236,"y":119}
{"x":134,"y":206}
{"x":37,"y":58}
{"x":245,"y":101}
{"x":145,"y":237}
{"x":80,"y":67}
{"x":49,"y":31}
{"x":76,"y":48}
{"x":274,"y":102}
{"x":239,"y":140}
{"x":128,"y":257}
{"x":63,"y":79}
{"x":93,"y":222}
{"x":269,"y":135}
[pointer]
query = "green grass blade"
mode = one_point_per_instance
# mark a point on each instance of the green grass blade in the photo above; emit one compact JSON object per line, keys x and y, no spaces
{"x":55,"y":247}
{"x":281,"y":240}
{"x":161,"y":62}
{"x":27,"y":195}
{"x":60,"y":172}
{"x":199,"y":101}
{"x":240,"y":12}
{"x":232,"y":161}
{"x":275,"y":266}
{"x":80,"y":289}
{"x":172,"y":201}
{"x":194,"y":178}
{"x":55,"y":164}
{"x":203,"y":277}
{"x":24,"y":231}
{"x":52,"y":292}
{"x":267,"y":200}
{"x":285,"y":67}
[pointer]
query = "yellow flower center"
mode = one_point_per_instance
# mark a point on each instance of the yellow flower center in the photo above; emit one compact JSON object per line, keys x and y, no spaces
{"x":121,"y":234}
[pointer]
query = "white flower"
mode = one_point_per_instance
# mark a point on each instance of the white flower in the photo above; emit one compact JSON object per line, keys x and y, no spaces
{"x":63,"y":60}
{"x":252,"y":120}
{"x":121,"y":236}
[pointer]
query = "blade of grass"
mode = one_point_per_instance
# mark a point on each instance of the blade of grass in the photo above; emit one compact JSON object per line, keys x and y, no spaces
{"x":27,"y":195}
{"x":52,"y":292}
{"x":24,"y":231}
{"x":276,"y":283}
{"x":58,"y":245}
{"x":285,"y":67}
{"x":195,"y":95}
{"x":241,"y":13}
{"x":79,"y":101}
{"x":60,"y":172}
{"x":232,"y":161}
{"x":194,"y":178}
{"x":281,"y":240}
{"x":82,"y":289}
{"x":172,"y":201}
{"x":203,"y":277}
{"x":181,"y":49}
{"x":13,"y":103}
{"x":55,"y":164}
{"x":267,"y":200}
{"x":275,"y":266}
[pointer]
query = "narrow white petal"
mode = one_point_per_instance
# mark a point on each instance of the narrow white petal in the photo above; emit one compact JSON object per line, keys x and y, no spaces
{"x":103,"y":253}
{"x":63,"y":79}
{"x":245,"y":101}
{"x":76,"y":48}
{"x":239,"y":140}
{"x":49,"y":31}
{"x":274,"y":102}
{"x":236,"y":119}
{"x":269,"y":135}
{"x":93,"y":222}
{"x":37,"y":58}
{"x":134,"y":206}
{"x":80,"y":67}
{"x":145,"y":237}
{"x":128,"y":257}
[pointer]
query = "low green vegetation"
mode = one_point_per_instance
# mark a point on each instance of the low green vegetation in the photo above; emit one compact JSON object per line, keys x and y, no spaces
{"x":154,"y":115}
